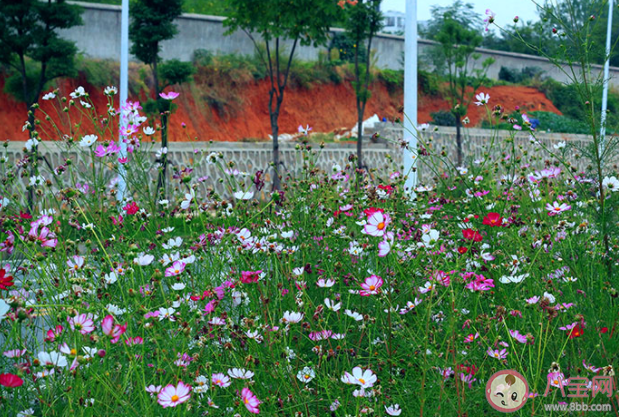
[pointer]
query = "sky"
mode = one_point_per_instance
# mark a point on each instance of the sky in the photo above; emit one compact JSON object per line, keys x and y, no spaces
{"x":505,"y":9}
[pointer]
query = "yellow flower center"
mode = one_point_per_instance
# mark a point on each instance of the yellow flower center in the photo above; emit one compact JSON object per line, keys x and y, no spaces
{"x":174,"y":398}
{"x":380,"y":226}
{"x":362,"y":380}
{"x":372,"y":288}
{"x":73,"y":352}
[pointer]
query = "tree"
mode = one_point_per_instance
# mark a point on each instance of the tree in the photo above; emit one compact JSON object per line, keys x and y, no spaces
{"x":586,"y":20}
{"x":31,"y":48}
{"x":152,"y":22}
{"x":363,"y":20}
{"x":457,"y":39}
{"x":274,"y":21}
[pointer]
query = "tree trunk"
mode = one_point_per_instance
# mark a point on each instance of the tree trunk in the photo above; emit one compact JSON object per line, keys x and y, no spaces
{"x":275,"y":132}
{"x":459,"y":139}
{"x":359,"y":139}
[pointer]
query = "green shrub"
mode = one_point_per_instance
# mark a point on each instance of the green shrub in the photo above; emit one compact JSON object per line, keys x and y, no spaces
{"x":522,"y":76}
{"x":429,"y":83}
{"x":551,"y":122}
{"x":443,"y":118}
{"x":393,"y":80}
{"x":99,"y":72}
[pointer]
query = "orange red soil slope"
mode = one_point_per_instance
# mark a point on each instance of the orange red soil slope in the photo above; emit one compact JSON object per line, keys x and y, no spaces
{"x":325,"y":107}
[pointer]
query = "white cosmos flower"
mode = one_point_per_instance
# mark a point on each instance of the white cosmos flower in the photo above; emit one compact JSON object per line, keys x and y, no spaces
{"x":88,"y":140}
{"x":292,"y":317}
{"x":244,"y":195}
{"x":306,"y":375}
{"x":149,"y":131}
{"x":611,"y":183}
{"x":353,"y":315}
{"x":79,"y":92}
{"x":110,"y":91}
{"x":143,"y":259}
{"x":52,"y":359}
{"x":239,"y":373}
{"x":365,"y":379}
{"x":173,"y":243}
{"x":31,"y":143}
{"x":332,"y":305}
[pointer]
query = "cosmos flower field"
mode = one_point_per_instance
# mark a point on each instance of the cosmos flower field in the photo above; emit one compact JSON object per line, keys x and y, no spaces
{"x":340,"y":295}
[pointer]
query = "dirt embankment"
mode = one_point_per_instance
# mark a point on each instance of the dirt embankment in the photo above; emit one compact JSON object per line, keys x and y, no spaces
{"x":325,"y":107}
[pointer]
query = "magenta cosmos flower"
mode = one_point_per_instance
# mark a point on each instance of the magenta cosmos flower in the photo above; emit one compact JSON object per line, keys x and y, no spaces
{"x":248,"y":277}
{"x":171,"y":395}
{"x":169,"y":96}
{"x":377,"y":224}
{"x":250,"y":401}
{"x":371,"y":285}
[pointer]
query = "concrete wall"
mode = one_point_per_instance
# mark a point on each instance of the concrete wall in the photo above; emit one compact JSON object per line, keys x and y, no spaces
{"x":100,"y":38}
{"x":383,"y":158}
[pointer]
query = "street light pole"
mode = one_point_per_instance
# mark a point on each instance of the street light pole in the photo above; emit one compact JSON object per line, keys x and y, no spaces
{"x":410,"y":96}
{"x":606,"y":78}
{"x":124,"y":87}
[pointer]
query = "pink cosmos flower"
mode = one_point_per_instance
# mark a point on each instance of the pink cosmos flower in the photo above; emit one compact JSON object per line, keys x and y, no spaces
{"x":442,"y":278}
{"x":470,"y":338}
{"x":556,"y":379}
{"x":15,"y":353}
{"x":502,"y":354}
{"x":76,"y":263}
{"x":177,"y":268}
{"x":519,"y":337}
{"x":134,"y":341}
{"x":171,"y":395}
{"x":45,"y":237}
{"x":82,"y":323}
{"x":169,"y":96}
{"x":52,"y":334}
{"x":250,"y":401}
{"x":111,"y":149}
{"x":153,"y":389}
{"x":480,"y":283}
{"x":377,"y":224}
{"x":221,"y":380}
{"x":556,"y":208}
{"x":590,"y":367}
{"x":113,"y":330}
{"x":490,"y":19}
{"x":371,"y":285}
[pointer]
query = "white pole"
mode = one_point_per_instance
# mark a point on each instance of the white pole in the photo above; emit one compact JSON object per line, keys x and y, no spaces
{"x":410,"y":95}
{"x":124,"y":87}
{"x":606,"y":76}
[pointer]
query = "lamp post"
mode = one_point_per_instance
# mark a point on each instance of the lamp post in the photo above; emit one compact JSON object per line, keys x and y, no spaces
{"x":410,"y":96}
{"x":124,"y":87}
{"x":606,"y":79}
